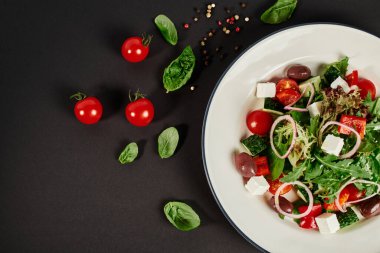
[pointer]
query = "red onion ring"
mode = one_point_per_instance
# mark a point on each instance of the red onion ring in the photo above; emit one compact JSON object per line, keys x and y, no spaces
{"x":343,"y":208}
{"x":312,"y":90}
{"x":358,"y":139}
{"x":294,"y":216}
{"x":275,"y":123}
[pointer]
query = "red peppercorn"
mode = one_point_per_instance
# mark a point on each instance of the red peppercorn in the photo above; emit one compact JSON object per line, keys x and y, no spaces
{"x":186,"y":26}
{"x":219,"y":23}
{"x":237,"y":29}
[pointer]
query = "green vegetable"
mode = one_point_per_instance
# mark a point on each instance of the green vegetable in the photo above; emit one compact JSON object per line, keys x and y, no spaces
{"x":373,"y":106}
{"x":314,"y":125}
{"x":281,"y":11}
{"x":167,"y":29}
{"x":348,"y":218}
{"x":129,"y":153}
{"x":179,"y":71}
{"x":344,"y":166}
{"x":334,"y":70}
{"x":276,"y":165}
{"x":300,"y":117}
{"x":167,"y":142}
{"x":255,"y":144}
{"x":182,"y":216}
{"x":313,"y":171}
{"x":296,"y":173}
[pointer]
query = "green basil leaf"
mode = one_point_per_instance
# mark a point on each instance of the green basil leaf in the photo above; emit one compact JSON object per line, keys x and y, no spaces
{"x":167,"y":142}
{"x":179,"y":71}
{"x":129,"y":153}
{"x":281,"y":11}
{"x":182,"y":216}
{"x":167,"y":29}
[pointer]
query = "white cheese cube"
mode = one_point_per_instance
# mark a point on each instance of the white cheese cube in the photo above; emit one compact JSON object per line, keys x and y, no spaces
{"x":332,"y":145}
{"x":327,"y":223}
{"x":315,"y":108}
{"x":342,"y":83}
{"x":266,"y":90}
{"x":257,"y":185}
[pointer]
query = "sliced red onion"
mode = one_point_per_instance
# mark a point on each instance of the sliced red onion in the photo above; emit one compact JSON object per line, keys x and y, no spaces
{"x":294,"y":216}
{"x":312,"y":92}
{"x":275,"y":123}
{"x":343,"y":208}
{"x":358,"y":139}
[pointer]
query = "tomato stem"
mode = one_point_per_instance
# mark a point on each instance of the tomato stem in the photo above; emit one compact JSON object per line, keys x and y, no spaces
{"x":146,"y":40}
{"x":136,"y":96}
{"x":78,"y":96}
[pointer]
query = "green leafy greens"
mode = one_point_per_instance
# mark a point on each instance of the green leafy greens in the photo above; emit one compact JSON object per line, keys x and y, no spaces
{"x":255,"y":144}
{"x":281,"y":11}
{"x":179,"y":71}
{"x":182,"y":216}
{"x":129,"y":153}
{"x":167,"y":29}
{"x":167,"y":142}
{"x":334,"y":70}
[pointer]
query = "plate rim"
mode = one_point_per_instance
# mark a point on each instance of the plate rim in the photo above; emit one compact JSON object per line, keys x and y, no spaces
{"x":211,"y":99}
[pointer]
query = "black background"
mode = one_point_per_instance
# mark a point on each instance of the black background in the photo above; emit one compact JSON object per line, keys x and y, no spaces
{"x":61,"y":186}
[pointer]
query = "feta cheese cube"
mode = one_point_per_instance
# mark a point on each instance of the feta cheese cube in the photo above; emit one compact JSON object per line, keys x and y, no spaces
{"x":327,"y":223}
{"x":266,"y":90}
{"x":257,"y":185}
{"x":332,"y":145}
{"x":315,"y":108}
{"x":342,"y":83}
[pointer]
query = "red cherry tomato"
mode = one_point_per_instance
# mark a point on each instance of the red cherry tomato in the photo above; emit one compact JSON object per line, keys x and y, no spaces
{"x":287,"y":97}
{"x":88,"y":110}
{"x":259,"y":122}
{"x":275,"y":184}
{"x":140,"y":112}
{"x":136,"y":49}
{"x":286,"y":84}
{"x":366,"y":86}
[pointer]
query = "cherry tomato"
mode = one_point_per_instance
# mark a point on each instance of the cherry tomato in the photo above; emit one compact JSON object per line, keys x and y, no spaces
{"x":259,"y":122}
{"x":366,"y":86}
{"x":343,"y":197}
{"x":287,"y":97}
{"x":286,"y":84}
{"x":354,"y":193}
{"x":88,"y":110}
{"x":275,"y":184}
{"x":136,"y":49}
{"x":140,"y":111}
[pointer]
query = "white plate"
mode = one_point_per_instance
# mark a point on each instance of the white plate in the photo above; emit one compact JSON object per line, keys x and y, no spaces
{"x":224,"y":126}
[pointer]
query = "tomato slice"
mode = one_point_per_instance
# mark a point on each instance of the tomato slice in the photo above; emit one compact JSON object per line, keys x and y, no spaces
{"x":357,"y":123}
{"x":287,"y":97}
{"x":366,"y":86}
{"x":262,"y":165}
{"x":343,"y":198}
{"x":286,"y":84}
{"x":275,"y":184}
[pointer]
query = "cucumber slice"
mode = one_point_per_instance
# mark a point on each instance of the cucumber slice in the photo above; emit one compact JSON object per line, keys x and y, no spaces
{"x":315,"y":81}
{"x":348,"y":218}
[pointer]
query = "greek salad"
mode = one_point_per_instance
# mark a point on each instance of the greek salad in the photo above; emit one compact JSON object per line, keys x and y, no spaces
{"x":316,"y":139}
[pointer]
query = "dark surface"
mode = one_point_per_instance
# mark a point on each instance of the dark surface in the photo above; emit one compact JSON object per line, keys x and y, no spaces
{"x":61,"y":186}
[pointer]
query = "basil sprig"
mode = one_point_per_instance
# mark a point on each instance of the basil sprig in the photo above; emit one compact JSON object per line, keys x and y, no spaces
{"x":129,"y":153}
{"x":179,"y":71}
{"x":182,"y":216}
{"x":167,"y":142}
{"x":281,"y":11}
{"x":167,"y":29}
